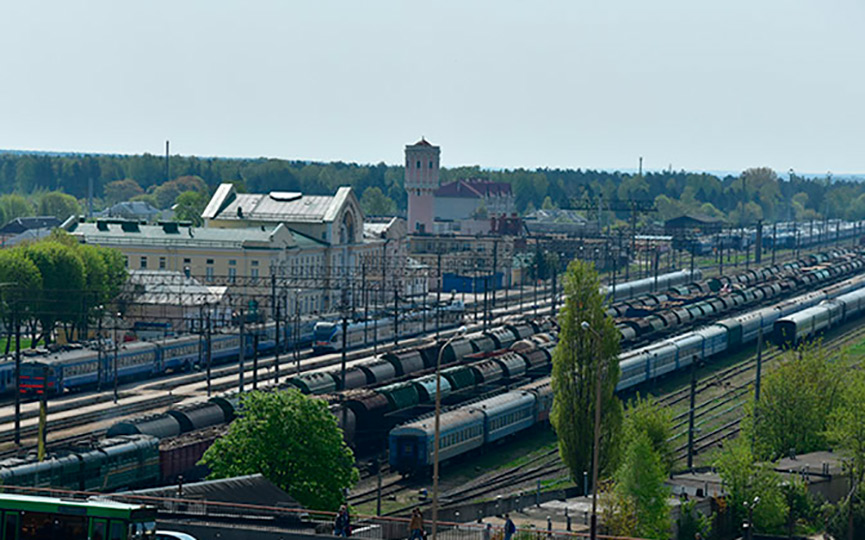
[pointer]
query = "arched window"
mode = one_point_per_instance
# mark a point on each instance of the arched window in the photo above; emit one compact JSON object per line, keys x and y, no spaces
{"x":346,"y":229}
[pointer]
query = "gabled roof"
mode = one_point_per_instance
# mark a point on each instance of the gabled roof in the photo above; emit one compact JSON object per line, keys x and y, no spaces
{"x":288,"y":207}
{"x":21,"y":224}
{"x":118,"y":231}
{"x":474,"y":188}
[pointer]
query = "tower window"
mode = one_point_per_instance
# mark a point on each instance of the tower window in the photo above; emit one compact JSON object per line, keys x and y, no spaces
{"x":430,"y":165}
{"x":418,"y":164}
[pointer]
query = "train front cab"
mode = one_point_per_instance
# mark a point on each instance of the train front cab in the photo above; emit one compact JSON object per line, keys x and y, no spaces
{"x":36,"y":377}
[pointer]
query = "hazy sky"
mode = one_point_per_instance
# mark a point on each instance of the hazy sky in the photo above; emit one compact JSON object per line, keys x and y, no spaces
{"x":594,"y":84}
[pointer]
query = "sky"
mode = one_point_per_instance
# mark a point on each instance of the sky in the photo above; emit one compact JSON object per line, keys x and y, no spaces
{"x":694,"y":85}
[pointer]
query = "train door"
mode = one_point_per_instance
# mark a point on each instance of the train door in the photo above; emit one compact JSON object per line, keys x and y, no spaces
{"x":98,"y":529}
{"x":10,"y":526}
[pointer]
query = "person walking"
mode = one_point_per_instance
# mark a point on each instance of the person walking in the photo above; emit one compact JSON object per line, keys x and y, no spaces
{"x":416,"y":525}
{"x":341,"y":525}
{"x":510,"y":528}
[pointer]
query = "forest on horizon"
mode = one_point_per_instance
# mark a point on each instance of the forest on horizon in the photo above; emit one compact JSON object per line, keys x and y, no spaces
{"x":57,"y":184}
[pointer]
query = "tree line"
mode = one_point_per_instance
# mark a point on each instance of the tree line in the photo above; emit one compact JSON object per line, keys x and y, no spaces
{"x":756,"y":193}
{"x":57,"y":281}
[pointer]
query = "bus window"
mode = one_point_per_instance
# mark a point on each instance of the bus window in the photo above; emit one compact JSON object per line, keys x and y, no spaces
{"x":99,"y":529}
{"x":10,"y":526}
{"x":118,"y":530}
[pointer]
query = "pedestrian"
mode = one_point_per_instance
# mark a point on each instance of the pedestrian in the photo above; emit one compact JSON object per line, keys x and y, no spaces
{"x":342,"y":525}
{"x":510,"y":528}
{"x":416,"y":525}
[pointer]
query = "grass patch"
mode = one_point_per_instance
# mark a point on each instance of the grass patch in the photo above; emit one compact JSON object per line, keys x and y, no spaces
{"x":25,"y":344}
{"x":515,"y":451}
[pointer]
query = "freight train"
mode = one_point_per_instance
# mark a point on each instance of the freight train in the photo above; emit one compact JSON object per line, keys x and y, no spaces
{"x":472,"y":426}
{"x":81,"y":368}
{"x":140,"y":451}
{"x":642,"y":318}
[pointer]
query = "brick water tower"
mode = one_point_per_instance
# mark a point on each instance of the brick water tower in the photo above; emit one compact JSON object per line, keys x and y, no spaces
{"x":421,"y":181}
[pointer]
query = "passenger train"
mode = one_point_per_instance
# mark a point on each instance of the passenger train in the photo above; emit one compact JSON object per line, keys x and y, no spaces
{"x":76,"y":369}
{"x":471,"y":426}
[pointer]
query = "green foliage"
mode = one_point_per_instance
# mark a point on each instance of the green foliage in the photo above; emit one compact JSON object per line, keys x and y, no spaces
{"x":291,"y":439}
{"x":121,"y":190}
{"x":63,"y":281}
{"x":640,"y":481}
{"x":58,"y":280}
{"x":13,"y":206}
{"x":20,"y":279}
{"x":838,"y":518}
{"x":745,"y":480}
{"x":375,"y":203}
{"x":846,"y":424}
{"x":166,"y":194}
{"x":189,"y":205}
{"x":691,"y":522}
{"x":59,"y":205}
{"x":645,"y":416}
{"x":576,"y":360}
{"x":682,"y":191}
{"x":795,"y":401}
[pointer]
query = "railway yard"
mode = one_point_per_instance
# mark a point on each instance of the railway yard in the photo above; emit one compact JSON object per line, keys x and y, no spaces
{"x":674,"y":327}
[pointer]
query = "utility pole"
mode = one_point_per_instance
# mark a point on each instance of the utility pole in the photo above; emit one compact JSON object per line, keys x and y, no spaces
{"x":276,"y":349}
{"x":774,"y":240}
{"x":209,"y":353}
{"x":395,"y":316}
{"x":693,"y":399}
{"x":495,"y":270}
{"x":759,"y":362}
{"x":344,"y":347}
{"x":241,"y":355}
{"x":115,"y":356}
{"x":17,"y":376}
{"x":255,"y":337}
{"x":439,"y":295}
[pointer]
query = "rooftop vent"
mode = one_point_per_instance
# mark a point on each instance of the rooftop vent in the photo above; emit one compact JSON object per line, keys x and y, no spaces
{"x":102,"y":225}
{"x":130,"y":226}
{"x":171,"y":227}
{"x":285,"y":196}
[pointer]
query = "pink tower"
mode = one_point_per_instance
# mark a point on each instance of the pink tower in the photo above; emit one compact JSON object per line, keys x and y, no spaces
{"x":421,"y":181}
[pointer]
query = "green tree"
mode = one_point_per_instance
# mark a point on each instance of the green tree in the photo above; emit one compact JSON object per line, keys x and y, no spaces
{"x":645,"y":416}
{"x":691,"y":522}
{"x":121,"y":190}
{"x":59,"y":205}
{"x":189,"y":205}
{"x":21,"y":282}
{"x":15,"y":206}
{"x":795,"y":402}
{"x":846,"y":425}
{"x":375,"y":203}
{"x":578,"y":356}
{"x":63,"y":282}
{"x":640,"y":480}
{"x":167,"y":193}
{"x":744,"y":481}
{"x":291,"y":439}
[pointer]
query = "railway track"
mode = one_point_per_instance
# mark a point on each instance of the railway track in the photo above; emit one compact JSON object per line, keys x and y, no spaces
{"x":721,"y":419}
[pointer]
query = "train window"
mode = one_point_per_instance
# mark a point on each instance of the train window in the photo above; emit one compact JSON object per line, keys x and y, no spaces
{"x":10,"y":525}
{"x":117,"y":530}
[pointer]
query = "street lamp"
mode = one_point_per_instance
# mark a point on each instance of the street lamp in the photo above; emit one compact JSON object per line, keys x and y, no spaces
{"x":749,"y":526}
{"x":435,"y":507}
{"x":597,"y":439}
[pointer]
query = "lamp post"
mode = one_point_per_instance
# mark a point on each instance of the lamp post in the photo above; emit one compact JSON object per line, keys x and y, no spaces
{"x":597,"y":437}
{"x":749,"y":526}
{"x":435,"y":504}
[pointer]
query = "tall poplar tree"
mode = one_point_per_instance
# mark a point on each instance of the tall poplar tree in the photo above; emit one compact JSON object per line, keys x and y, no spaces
{"x":576,"y":359}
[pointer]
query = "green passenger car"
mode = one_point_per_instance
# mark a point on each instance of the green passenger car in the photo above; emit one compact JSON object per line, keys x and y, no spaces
{"x":27,"y":517}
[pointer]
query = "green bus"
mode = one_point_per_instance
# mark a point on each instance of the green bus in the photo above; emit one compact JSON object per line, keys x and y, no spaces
{"x":28,"y":517}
